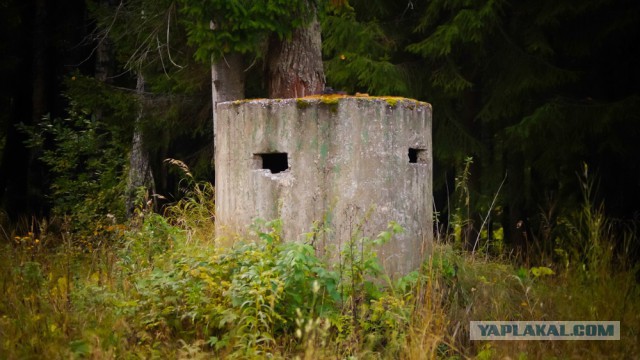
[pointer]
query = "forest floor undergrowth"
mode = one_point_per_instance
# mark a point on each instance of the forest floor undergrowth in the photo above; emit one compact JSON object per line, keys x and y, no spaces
{"x":163,"y":286}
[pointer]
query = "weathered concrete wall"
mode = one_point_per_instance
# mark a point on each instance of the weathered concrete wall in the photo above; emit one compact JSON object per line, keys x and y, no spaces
{"x":346,"y":156}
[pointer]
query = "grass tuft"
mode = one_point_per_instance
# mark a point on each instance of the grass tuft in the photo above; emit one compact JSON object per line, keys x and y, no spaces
{"x":163,"y":287}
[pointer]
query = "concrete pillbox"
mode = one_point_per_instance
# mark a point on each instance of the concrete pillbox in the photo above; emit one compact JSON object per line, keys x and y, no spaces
{"x":338,"y":161}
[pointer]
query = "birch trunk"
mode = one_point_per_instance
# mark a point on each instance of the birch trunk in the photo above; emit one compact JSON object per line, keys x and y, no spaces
{"x":140,"y":175}
{"x":227,"y":83}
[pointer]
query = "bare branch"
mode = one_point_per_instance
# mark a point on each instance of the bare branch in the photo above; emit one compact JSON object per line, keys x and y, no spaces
{"x":103,"y":34}
{"x":168,"y":42}
{"x":164,"y":69}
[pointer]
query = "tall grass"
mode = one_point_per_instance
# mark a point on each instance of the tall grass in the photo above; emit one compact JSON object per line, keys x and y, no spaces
{"x":162,"y":287}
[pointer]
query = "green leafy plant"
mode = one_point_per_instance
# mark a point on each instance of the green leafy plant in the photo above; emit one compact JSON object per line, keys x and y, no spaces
{"x":85,"y":155}
{"x":168,"y":289}
{"x":219,"y":27}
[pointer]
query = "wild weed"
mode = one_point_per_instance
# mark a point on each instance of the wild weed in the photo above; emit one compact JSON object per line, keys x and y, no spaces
{"x":163,"y":287}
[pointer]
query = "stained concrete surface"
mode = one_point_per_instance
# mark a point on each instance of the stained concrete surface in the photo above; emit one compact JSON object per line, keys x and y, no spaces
{"x":349,"y":161}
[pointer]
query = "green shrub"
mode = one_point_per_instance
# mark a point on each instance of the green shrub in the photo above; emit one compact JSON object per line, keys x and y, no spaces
{"x":166,"y":288}
{"x":85,"y":154}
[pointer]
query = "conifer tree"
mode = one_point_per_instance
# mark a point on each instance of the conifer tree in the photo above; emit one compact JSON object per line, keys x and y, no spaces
{"x":151,"y":35}
{"x":530,"y":90}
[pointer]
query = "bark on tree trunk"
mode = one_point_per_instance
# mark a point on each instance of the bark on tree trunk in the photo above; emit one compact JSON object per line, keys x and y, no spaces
{"x":295,"y":65}
{"x":227,"y":76}
{"x":140,"y":175}
{"x":227,"y":83}
{"x":104,"y":61}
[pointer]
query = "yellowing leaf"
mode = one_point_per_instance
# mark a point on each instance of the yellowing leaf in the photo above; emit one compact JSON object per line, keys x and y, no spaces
{"x":541,"y":271}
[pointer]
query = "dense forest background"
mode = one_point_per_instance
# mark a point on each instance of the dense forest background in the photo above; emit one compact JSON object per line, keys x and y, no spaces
{"x":108,"y":247}
{"x":529,"y":99}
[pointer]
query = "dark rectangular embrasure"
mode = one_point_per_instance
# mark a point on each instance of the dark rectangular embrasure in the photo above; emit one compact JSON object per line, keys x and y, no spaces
{"x":417,"y":156}
{"x":275,"y":162}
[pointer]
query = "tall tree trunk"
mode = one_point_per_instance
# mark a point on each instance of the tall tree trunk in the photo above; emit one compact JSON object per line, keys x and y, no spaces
{"x":104,"y":61}
{"x":227,"y":82}
{"x":140,"y":175}
{"x":104,"y":65}
{"x":227,"y":77}
{"x":295,"y":65}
